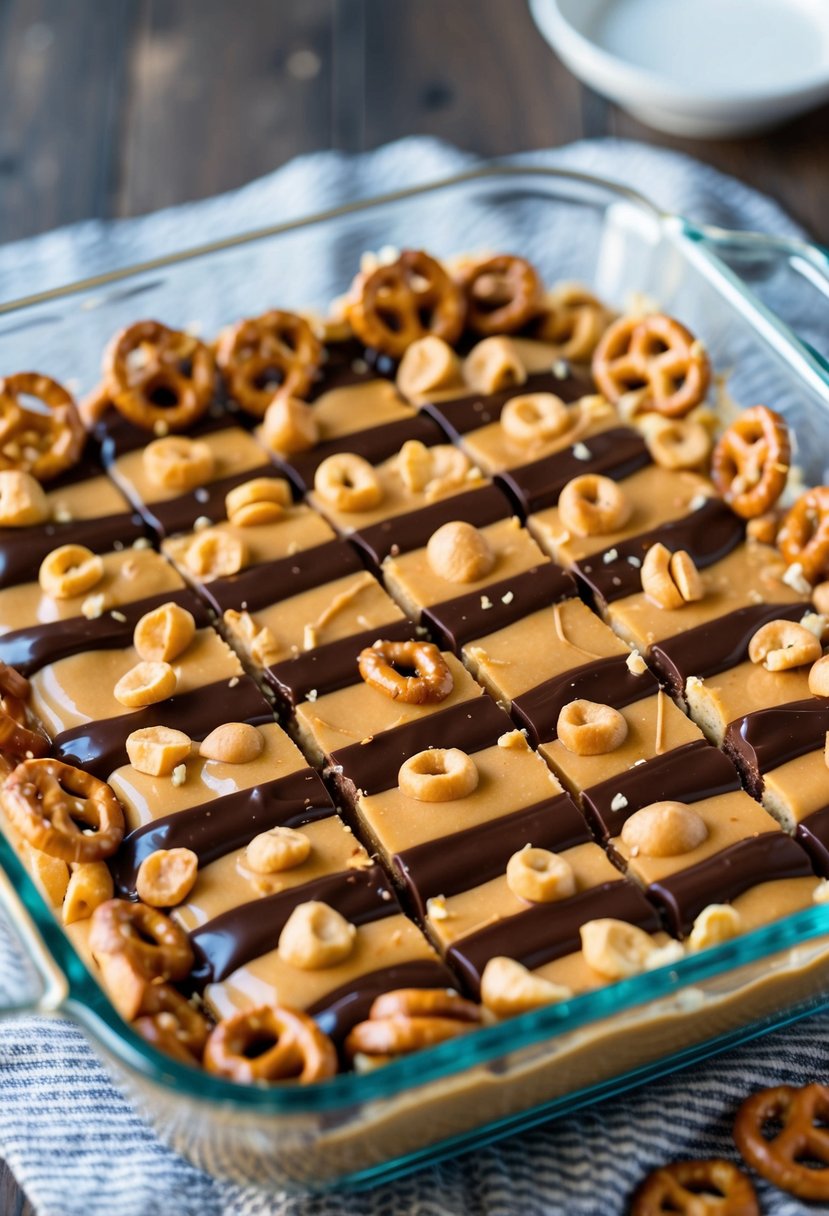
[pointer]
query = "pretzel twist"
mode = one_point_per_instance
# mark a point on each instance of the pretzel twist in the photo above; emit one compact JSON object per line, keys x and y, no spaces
{"x":47,"y":800}
{"x":168,"y":1021}
{"x":409,"y":1019}
{"x":502,"y":294}
{"x":431,"y":682}
{"x":154,"y":944}
{"x":260,"y":355}
{"x":802,"y":1115}
{"x":396,"y":304}
{"x":804,"y":534}
{"x":750,"y":463}
{"x":271,"y":1043}
{"x":696,"y":1188}
{"x":160,"y":379}
{"x":657,"y":354}
{"x":43,"y":443}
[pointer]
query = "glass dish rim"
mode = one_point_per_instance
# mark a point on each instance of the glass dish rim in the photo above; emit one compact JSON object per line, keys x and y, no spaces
{"x":85,"y":1001}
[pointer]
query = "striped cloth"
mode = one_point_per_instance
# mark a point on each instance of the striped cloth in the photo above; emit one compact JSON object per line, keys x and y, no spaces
{"x":76,"y":1146}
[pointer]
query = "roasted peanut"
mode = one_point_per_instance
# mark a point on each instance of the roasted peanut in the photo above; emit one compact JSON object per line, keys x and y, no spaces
{"x":540,"y":876}
{"x":716,"y":923}
{"x":670,"y":579}
{"x":256,"y":642}
{"x":458,"y":552}
{"x":90,"y":884}
{"x":509,"y":988}
{"x":493,"y":365}
{"x":348,"y":483}
{"x":615,"y":948}
{"x":676,"y":443}
{"x":428,"y":365}
{"x":145,"y":684}
{"x":22,"y":500}
{"x":214,"y":554}
{"x":262,"y":500}
{"x":277,"y":849}
{"x":535,"y":418}
{"x":167,"y":877}
{"x":233,"y":743}
{"x":315,"y":936}
{"x":157,"y":750}
{"x":592,"y":505}
{"x":432,"y":470}
{"x":438,"y":775}
{"x":588,"y":728}
{"x":70,"y":570}
{"x":177,"y":463}
{"x":664,"y":829}
{"x":784,"y":645}
{"x":290,"y":425}
{"x":819,"y":678}
{"x":165,"y":633}
{"x":50,"y":873}
{"x":820,"y":598}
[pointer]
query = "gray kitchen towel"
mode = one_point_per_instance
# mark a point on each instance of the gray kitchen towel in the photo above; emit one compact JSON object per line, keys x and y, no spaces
{"x":75,"y":1144}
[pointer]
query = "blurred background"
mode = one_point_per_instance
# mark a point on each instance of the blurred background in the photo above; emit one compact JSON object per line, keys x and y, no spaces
{"x":117,"y":107}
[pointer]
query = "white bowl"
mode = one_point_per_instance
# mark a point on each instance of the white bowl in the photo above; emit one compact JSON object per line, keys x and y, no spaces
{"x":705,"y":68}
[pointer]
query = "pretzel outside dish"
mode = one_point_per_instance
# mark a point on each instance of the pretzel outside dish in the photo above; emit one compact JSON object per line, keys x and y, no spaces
{"x":696,"y":1188}
{"x":413,"y":297}
{"x":277,"y":351}
{"x":656,"y":354}
{"x":409,"y":1019}
{"x":803,"y":537}
{"x":801,"y":1115}
{"x":46,"y":801}
{"x":299,"y":1051}
{"x":750,"y":463}
{"x":432,"y":680}
{"x":160,"y":379}
{"x":151,"y":942}
{"x":43,"y":443}
{"x":502,"y":293}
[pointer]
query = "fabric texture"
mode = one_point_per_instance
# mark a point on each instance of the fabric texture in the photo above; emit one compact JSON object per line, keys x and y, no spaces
{"x":75,"y":1144}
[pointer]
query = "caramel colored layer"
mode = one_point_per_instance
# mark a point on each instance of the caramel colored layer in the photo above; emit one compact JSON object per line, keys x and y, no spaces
{"x":492,"y":448}
{"x":299,"y":528}
{"x":234,"y":451}
{"x":719,"y":699}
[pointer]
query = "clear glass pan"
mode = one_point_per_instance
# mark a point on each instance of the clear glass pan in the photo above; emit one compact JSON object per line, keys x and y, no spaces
{"x":357,"y":1129}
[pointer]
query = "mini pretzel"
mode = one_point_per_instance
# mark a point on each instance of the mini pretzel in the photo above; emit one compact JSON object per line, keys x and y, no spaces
{"x":431,"y":682}
{"x":154,"y":944}
{"x":299,"y":1050}
{"x":657,"y":354}
{"x":43,"y":444}
{"x":502,"y":294}
{"x":160,"y":379}
{"x":17,"y":740}
{"x":409,"y":1019}
{"x":394,"y":305}
{"x":802,"y":1115}
{"x":572,"y":321}
{"x":47,"y":800}
{"x":696,"y":1188}
{"x":278,"y":350}
{"x":750,"y":463}
{"x":804,"y":534}
{"x":168,"y":1021}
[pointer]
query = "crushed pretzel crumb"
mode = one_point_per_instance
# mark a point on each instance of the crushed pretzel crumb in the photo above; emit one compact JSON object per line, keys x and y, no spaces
{"x":794,"y":578}
{"x":179,"y":775}
{"x":582,"y":452}
{"x":618,"y":803}
{"x":635,"y":664}
{"x":93,"y":606}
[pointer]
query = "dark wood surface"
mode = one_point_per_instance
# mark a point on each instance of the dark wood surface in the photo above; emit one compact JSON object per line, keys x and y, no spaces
{"x":117,"y":107}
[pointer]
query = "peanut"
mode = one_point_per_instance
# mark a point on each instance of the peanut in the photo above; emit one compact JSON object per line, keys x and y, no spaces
{"x":716,"y":923}
{"x":432,"y":470}
{"x":438,"y":775}
{"x":157,"y":750}
{"x":70,"y":570}
{"x":676,"y":443}
{"x":458,"y":552}
{"x":276,"y":850}
{"x":145,"y":684}
{"x":177,"y":463}
{"x":535,"y":418}
{"x":163,"y":634}
{"x":22,"y":500}
{"x":819,"y":678}
{"x":50,"y":873}
{"x":428,"y":365}
{"x":348,"y":483}
{"x":540,"y":876}
{"x":262,"y":500}
{"x":670,"y":579}
{"x":492,"y":365}
{"x":784,"y":645}
{"x":316,"y":936}
{"x":256,"y":642}
{"x":592,"y":505}
{"x":614,"y":948}
{"x":233,"y":743}
{"x":820,"y":598}
{"x":167,"y":877}
{"x":588,"y":728}
{"x":290,"y":425}
{"x":664,"y":829}
{"x":90,"y":884}
{"x":509,"y":988}
{"x":214,"y":554}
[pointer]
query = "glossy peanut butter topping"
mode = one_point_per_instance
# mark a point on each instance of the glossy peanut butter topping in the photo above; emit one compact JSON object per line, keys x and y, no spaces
{"x":299,"y":528}
{"x":234,"y":451}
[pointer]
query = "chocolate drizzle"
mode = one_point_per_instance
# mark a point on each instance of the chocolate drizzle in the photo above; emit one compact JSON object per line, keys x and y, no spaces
{"x":372,"y":767}
{"x":375,"y":445}
{"x":708,"y":534}
{"x":458,"y":621}
{"x":545,"y":932}
{"x":344,"y":1007}
{"x":272,"y":582}
{"x":607,"y":681}
{"x":30,"y":649}
{"x":716,"y":645}
{"x":617,"y":453}
{"x":117,"y":435}
{"x":251,"y":930}
{"x":23,"y":549}
{"x":178,"y":514}
{"x":459,"y":415}
{"x":721,"y":878}
{"x":686,"y":774}
{"x":813,"y":833}
{"x":100,"y":746}
{"x":767,"y":738}
{"x":403,"y":533}
{"x":215,"y":828}
{"x":462,"y":860}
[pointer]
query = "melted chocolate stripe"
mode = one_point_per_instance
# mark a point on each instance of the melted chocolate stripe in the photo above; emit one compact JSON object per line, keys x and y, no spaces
{"x":23,"y":549}
{"x":215,"y":828}
{"x":101,"y":747}
{"x":332,"y":666}
{"x":607,"y":681}
{"x":813,"y":833}
{"x":469,"y":858}
{"x":403,"y":533}
{"x":717,"y":645}
{"x":272,"y":582}
{"x":767,"y":738}
{"x":338,"y":1011}
{"x":617,"y":453}
{"x":709,"y":534}
{"x":372,"y":767}
{"x":727,"y":874}
{"x":252,"y":929}
{"x":117,"y":436}
{"x":459,"y":415}
{"x":375,"y":444}
{"x":686,"y":774}
{"x":545,"y":932}
{"x":180,"y":513}
{"x":30,"y":649}
{"x":461,"y":620}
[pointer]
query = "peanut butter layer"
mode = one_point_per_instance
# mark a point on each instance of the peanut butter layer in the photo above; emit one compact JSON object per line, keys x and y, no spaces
{"x":145,"y":798}
{"x":133,"y":574}
{"x":795,"y":790}
{"x":719,"y":699}
{"x":234,"y":451}
{"x":92,"y":498}
{"x":492,"y":448}
{"x":654,"y":496}
{"x":79,"y":689}
{"x":415,"y":585}
{"x":348,"y":409}
{"x":573,"y":972}
{"x":770,"y":901}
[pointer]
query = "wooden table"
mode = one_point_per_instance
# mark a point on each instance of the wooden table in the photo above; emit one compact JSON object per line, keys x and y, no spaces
{"x":117,"y":108}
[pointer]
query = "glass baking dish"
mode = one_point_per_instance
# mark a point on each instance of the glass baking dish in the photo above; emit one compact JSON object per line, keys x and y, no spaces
{"x":357,"y":1129}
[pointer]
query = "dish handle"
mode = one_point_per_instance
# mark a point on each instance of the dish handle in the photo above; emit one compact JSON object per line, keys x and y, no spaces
{"x":37,"y":984}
